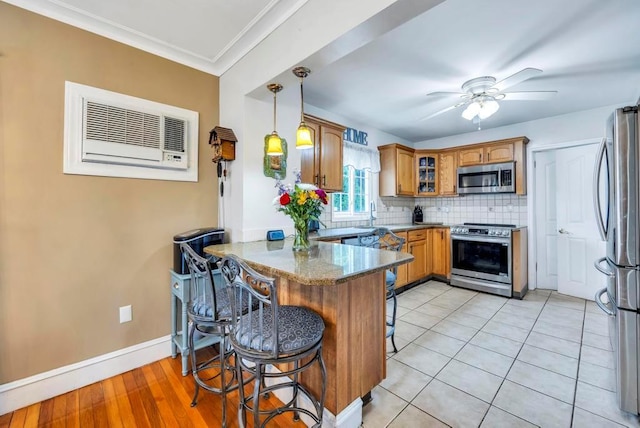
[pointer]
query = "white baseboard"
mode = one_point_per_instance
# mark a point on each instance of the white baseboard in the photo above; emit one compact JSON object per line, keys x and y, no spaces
{"x":40,"y":387}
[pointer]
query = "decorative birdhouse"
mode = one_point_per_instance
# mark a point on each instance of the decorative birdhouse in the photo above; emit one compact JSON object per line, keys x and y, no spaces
{"x":223,"y":141}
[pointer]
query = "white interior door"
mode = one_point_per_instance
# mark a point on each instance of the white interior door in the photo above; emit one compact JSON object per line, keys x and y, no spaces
{"x":578,"y":240}
{"x":546,"y":216}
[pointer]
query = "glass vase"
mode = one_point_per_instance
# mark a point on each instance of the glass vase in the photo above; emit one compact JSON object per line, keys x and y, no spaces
{"x":301,"y":237}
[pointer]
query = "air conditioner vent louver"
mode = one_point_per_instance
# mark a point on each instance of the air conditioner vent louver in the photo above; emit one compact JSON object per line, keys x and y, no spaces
{"x":112,"y":124}
{"x":173,"y":134}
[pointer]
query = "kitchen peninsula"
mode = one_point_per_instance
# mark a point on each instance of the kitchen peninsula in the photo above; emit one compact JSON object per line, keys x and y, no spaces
{"x":345,"y":285}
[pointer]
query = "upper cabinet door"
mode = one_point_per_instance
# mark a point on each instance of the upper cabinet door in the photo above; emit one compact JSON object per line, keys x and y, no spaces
{"x":472,"y":156}
{"x":310,"y":158}
{"x":427,"y":174}
{"x":496,"y":153}
{"x":322,"y":165}
{"x":331,"y":158}
{"x":447,"y":173}
{"x":404,"y":172}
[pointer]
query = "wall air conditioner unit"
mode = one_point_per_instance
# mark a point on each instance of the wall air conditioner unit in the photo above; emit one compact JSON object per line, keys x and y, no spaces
{"x":113,"y":134}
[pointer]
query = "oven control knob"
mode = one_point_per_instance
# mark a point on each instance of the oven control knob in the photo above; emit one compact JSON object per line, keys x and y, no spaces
{"x":465,"y":230}
{"x":492,"y":232}
{"x":505,"y":233}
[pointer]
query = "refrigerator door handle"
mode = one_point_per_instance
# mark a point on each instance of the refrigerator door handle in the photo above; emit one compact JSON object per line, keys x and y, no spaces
{"x":600,"y":269}
{"x":596,"y":186}
{"x":601,"y":304}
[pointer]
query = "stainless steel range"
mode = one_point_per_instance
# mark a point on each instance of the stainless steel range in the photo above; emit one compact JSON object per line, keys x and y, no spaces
{"x":481,"y":257}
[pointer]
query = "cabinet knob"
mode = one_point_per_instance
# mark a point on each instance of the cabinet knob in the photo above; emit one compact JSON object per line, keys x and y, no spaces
{"x":488,"y":156}
{"x":315,"y":180}
{"x":176,"y":286}
{"x":324,"y":180}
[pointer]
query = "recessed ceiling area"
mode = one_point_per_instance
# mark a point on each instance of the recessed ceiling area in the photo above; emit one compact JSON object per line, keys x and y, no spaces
{"x":588,"y":51}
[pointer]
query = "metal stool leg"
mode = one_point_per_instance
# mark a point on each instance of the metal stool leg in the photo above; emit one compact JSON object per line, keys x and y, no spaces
{"x":296,"y":415}
{"x":194,"y":367}
{"x":242,"y":409}
{"x":392,"y":324}
{"x":256,"y":395}
{"x":223,"y":386}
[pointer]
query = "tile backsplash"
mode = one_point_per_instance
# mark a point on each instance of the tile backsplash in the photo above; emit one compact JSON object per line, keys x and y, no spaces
{"x":502,"y":208}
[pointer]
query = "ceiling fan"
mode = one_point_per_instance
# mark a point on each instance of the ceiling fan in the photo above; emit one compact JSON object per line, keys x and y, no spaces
{"x":481,"y":95}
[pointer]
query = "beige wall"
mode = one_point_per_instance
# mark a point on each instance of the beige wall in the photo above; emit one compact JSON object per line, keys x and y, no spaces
{"x":74,"y":248}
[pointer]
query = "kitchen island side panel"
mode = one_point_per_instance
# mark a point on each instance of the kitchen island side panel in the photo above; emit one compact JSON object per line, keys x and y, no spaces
{"x":354,"y":344}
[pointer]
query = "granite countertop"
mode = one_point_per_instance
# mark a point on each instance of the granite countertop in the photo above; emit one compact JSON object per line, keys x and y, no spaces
{"x":347,"y":232}
{"x":325,"y":264}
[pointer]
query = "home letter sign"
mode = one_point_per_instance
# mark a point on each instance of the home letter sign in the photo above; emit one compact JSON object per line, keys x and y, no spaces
{"x":355,"y":136}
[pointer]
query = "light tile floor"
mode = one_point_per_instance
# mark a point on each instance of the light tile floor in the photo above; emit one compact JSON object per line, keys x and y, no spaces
{"x":468,"y":359}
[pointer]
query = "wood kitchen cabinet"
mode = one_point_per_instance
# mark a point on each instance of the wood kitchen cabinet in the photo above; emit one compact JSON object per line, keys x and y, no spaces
{"x":441,"y":252}
{"x":492,"y":152}
{"x":396,"y":170}
{"x":426,"y":173}
{"x":471,"y":156}
{"x":447,"y":173}
{"x":417,"y":246}
{"x":489,"y":153}
{"x":322,"y":165}
{"x":401,"y":273}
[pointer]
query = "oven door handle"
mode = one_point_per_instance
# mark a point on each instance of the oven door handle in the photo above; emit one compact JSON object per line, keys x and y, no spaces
{"x":598,"y":266}
{"x":601,"y":304}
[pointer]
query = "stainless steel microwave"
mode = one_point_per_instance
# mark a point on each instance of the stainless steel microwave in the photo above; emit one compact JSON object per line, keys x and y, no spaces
{"x":490,"y":178}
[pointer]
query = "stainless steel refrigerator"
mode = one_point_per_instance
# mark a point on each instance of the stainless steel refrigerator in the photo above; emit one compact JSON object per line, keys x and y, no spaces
{"x":617,"y":199}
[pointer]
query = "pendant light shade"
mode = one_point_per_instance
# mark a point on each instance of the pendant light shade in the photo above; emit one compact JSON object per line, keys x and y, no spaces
{"x":303,"y":135}
{"x":274,"y":143}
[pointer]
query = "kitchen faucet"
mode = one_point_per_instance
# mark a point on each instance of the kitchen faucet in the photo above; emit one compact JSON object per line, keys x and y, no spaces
{"x":372,"y":208}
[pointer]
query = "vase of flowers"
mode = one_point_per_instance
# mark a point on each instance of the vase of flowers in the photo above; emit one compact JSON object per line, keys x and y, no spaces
{"x":302,"y":202}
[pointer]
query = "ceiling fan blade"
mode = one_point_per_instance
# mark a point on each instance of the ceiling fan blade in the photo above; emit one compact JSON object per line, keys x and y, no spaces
{"x":445,"y":94}
{"x":514,"y":79}
{"x":444,"y":110}
{"x":529,"y":96}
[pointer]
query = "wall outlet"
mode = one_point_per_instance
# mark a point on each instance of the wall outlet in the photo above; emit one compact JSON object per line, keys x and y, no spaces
{"x":125,"y":314}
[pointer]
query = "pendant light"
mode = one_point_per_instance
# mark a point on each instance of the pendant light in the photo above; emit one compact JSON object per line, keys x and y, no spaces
{"x":274,"y":143}
{"x":303,"y":135}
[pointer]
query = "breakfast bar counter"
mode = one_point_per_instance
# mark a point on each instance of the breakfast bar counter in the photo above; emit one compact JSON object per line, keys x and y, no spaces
{"x":345,"y":285}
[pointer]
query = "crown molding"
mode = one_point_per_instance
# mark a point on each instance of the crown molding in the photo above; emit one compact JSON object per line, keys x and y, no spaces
{"x":272,"y":16}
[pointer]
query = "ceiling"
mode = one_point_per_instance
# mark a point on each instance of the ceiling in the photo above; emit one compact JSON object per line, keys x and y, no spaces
{"x":589,"y":51}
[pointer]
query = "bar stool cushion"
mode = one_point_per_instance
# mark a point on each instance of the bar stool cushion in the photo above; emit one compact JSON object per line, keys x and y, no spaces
{"x":299,"y":329}
{"x":202,"y":307}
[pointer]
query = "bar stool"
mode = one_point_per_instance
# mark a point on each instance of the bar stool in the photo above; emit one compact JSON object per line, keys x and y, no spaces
{"x":263,"y":333}
{"x":383,"y":239}
{"x":209,"y":313}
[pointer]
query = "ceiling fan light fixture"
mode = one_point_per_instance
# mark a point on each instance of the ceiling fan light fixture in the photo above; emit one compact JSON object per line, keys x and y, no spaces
{"x":489,"y":107}
{"x":471,"y":111}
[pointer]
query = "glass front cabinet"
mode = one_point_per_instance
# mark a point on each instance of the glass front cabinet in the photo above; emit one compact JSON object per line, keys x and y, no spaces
{"x":427,"y":174}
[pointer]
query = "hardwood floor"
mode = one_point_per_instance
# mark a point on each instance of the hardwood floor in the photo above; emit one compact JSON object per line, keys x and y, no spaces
{"x":155,"y":395}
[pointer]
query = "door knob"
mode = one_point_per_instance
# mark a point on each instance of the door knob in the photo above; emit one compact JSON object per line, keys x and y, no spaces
{"x":564,"y":232}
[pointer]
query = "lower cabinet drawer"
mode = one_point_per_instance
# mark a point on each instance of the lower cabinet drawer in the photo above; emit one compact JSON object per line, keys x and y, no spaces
{"x":417,"y":235}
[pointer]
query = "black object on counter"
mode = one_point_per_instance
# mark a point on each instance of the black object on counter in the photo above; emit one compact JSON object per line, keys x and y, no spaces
{"x":197,"y":239}
{"x":417,"y":214}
